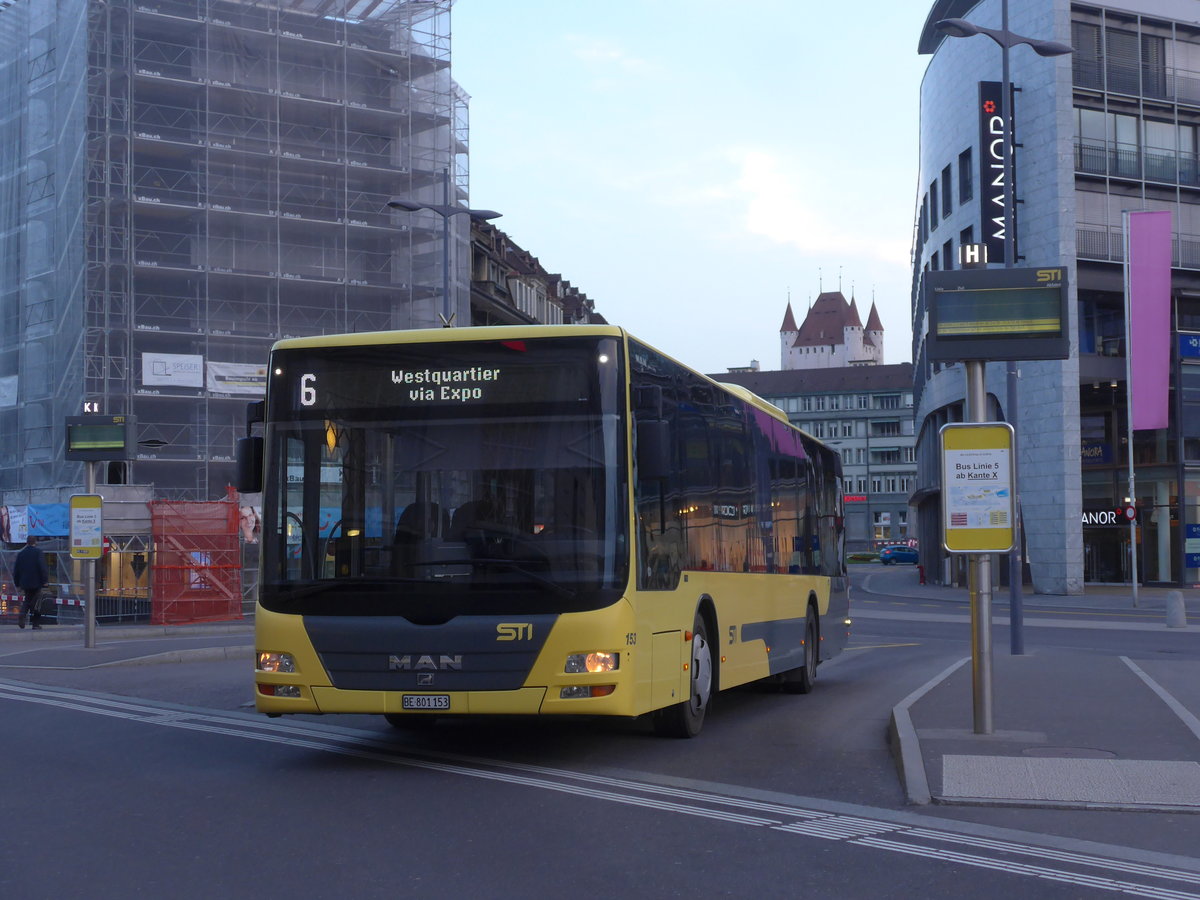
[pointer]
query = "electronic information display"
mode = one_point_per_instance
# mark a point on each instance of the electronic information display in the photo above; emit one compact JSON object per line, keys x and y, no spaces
{"x":100,"y":438}
{"x":997,"y":314}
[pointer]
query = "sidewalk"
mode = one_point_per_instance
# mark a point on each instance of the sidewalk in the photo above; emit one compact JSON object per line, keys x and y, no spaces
{"x":1070,"y":730}
{"x":61,"y":646}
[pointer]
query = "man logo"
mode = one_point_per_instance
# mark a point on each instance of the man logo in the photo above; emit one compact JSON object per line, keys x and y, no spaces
{"x":426,"y":662}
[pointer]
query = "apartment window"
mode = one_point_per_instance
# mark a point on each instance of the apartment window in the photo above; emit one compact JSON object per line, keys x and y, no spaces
{"x":847,"y":429}
{"x":835,"y":402}
{"x":862,"y":485}
{"x":933,"y":205}
{"x":910,"y":454}
{"x":948,"y":255}
{"x":966,"y":182}
{"x":864,"y":401}
{"x":806,"y":404}
{"x":947,"y":201}
{"x":820,"y":404}
{"x":933,"y":263}
{"x":876,"y":484}
{"x":888,"y":401}
{"x":885,"y":429}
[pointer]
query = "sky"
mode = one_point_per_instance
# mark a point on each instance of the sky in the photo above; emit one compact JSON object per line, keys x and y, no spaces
{"x":690,"y":164}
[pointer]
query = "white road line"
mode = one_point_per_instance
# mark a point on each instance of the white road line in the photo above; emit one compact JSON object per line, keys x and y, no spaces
{"x":1176,"y":707}
{"x":873,"y":833}
{"x":1106,"y":884}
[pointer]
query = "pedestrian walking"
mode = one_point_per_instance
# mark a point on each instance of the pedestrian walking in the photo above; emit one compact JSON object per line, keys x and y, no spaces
{"x":31,"y":575}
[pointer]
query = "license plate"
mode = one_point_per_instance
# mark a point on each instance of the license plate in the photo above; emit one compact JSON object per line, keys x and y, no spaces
{"x":425,"y":701}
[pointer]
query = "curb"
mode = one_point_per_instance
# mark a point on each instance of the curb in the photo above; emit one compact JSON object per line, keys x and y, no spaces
{"x":76,"y":632}
{"x":200,"y":654}
{"x":906,"y":747}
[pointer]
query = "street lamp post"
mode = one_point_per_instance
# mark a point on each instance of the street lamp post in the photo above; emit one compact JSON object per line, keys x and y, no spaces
{"x":976,"y":395}
{"x":444,"y":209}
{"x":961,"y":28}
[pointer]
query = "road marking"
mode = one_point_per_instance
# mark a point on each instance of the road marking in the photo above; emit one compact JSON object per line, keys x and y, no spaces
{"x":1176,"y":707}
{"x":881,"y":646}
{"x":878,"y":834}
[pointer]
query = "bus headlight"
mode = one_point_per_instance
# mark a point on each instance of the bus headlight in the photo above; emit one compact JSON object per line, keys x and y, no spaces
{"x":592,"y":663}
{"x":276,"y":662}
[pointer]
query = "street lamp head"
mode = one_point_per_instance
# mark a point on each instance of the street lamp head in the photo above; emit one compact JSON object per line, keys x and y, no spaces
{"x":960,"y":28}
{"x":405,"y":205}
{"x":1050,"y":48}
{"x":442,"y":210}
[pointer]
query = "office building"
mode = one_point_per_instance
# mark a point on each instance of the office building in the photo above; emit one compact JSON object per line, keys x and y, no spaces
{"x":1109,"y":128}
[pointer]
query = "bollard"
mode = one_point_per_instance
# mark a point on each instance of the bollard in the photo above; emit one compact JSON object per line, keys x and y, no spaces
{"x":1176,"y":615}
{"x":921,"y":571}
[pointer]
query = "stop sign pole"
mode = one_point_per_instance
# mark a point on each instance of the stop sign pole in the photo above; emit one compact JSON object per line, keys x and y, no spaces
{"x":87,"y":544}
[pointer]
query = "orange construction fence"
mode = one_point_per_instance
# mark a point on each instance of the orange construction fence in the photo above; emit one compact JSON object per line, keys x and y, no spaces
{"x":197,"y":566}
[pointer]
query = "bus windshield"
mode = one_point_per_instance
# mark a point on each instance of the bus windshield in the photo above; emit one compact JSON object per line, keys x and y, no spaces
{"x":439,"y":479}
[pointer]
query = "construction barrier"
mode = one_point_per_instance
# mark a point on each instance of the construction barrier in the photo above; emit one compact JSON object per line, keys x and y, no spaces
{"x":196,"y":565}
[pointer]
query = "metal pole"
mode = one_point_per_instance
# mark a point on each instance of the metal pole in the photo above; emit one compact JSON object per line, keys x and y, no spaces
{"x":1133,"y":573}
{"x":980,"y":581}
{"x":447,"y":317}
{"x":89,"y":574}
{"x":1016,"y":613}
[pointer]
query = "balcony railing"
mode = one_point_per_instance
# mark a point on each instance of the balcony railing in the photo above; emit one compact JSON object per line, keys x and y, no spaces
{"x":1154,"y":82}
{"x":1129,"y":161}
{"x":1103,"y":242}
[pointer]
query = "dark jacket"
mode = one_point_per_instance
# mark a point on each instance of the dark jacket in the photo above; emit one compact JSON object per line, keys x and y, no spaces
{"x":30,"y":571}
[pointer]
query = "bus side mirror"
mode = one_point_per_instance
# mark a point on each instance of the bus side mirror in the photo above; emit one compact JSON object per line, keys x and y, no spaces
{"x":653,"y":449}
{"x":249,"y":465}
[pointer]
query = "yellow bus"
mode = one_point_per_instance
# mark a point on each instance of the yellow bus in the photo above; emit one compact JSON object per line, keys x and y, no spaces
{"x":541,"y":520}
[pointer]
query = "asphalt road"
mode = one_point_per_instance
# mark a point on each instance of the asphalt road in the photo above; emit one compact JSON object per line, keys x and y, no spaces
{"x":158,"y":779}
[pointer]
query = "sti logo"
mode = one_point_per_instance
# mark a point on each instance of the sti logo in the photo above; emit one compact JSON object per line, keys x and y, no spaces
{"x":1049,"y":277}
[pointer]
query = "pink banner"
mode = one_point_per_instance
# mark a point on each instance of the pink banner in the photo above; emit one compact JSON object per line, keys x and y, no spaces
{"x":1149,"y":326}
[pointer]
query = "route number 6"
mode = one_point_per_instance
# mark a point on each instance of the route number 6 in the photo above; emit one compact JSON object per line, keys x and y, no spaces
{"x":308,"y":393}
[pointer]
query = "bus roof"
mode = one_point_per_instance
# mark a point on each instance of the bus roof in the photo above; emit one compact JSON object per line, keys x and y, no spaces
{"x":508,"y":333}
{"x":437,"y":335}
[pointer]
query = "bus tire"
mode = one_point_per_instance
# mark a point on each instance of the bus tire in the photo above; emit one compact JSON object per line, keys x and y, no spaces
{"x":684,"y":720}
{"x":803,"y":679}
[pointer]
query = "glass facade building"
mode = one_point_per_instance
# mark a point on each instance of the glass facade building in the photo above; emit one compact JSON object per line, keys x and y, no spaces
{"x":1110,"y":128}
{"x":182,"y":182}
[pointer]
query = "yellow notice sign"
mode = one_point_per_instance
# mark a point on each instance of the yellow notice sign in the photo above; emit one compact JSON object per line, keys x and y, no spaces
{"x":977,"y":487}
{"x":87,"y":526}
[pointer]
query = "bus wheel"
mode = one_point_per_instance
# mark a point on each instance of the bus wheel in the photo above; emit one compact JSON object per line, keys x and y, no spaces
{"x":803,"y":679}
{"x":684,"y":720}
{"x":409,"y":723}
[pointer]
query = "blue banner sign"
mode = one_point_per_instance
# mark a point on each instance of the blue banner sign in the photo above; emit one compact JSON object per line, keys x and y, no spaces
{"x":1191,"y":547}
{"x":1189,"y":346}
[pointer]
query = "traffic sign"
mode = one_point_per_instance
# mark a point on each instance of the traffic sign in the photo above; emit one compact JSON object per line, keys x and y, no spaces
{"x":87,"y":526}
{"x":977,"y":487}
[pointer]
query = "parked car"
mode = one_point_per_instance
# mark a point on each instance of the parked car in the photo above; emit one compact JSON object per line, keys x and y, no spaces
{"x":898,"y":553}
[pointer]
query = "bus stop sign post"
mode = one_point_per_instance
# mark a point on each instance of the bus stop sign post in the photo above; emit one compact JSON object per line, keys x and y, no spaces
{"x":977,"y":509}
{"x":87,"y":544}
{"x":93,"y":439}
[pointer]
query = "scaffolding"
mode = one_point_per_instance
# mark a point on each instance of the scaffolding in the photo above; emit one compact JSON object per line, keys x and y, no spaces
{"x":195,"y":179}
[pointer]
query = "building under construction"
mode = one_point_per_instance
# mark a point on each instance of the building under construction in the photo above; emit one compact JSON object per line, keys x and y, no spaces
{"x":182,"y":182}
